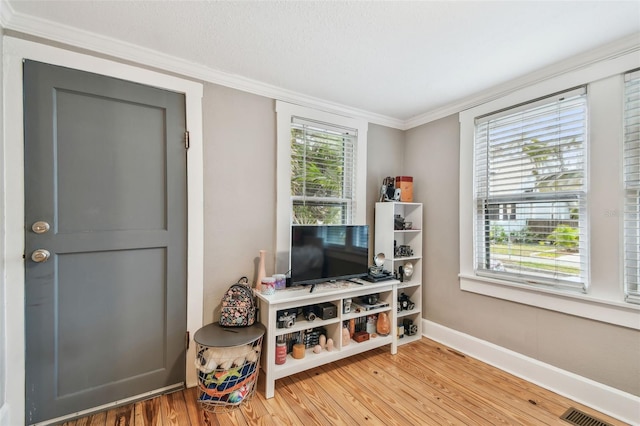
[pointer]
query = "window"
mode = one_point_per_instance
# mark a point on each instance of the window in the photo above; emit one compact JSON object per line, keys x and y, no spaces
{"x":531,"y":159}
{"x":595,"y":288}
{"x":321,"y":171}
{"x":632,"y":186}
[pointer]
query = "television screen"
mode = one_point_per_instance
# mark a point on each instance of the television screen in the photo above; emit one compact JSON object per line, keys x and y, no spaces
{"x":328,"y":252}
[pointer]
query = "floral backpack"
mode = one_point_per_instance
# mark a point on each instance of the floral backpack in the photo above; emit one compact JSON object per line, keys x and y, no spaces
{"x":238,"y":305}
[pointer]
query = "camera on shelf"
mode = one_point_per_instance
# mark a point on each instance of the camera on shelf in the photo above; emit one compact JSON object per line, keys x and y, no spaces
{"x":285,"y":319}
{"x":309,"y":312}
{"x":403,"y":251}
{"x":410,"y":328}
{"x":371,"y":299}
{"x":324,"y":311}
{"x":346,"y":306}
{"x":404,"y":303}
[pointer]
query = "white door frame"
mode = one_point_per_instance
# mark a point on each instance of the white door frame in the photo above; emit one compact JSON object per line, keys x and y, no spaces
{"x":15,"y":51}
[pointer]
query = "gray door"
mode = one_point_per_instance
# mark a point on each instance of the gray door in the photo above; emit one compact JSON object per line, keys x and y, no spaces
{"x":105,"y":167}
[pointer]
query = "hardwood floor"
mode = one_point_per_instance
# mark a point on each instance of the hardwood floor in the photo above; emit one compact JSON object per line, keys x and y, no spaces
{"x":426,"y":383}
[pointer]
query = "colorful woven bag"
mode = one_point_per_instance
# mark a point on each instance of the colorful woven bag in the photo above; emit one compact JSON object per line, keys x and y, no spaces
{"x":238,"y":305}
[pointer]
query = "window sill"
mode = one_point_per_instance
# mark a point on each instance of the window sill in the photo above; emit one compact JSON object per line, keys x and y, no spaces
{"x":607,"y":311}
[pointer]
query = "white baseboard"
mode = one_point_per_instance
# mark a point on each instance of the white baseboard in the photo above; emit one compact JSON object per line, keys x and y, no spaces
{"x":613,"y":402}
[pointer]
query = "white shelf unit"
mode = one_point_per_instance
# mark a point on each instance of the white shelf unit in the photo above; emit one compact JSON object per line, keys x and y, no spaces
{"x":386,"y":239}
{"x":335,"y":293}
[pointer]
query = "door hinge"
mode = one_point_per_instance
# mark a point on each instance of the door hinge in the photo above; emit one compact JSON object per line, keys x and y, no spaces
{"x":187,"y":142}
{"x":187,"y":342}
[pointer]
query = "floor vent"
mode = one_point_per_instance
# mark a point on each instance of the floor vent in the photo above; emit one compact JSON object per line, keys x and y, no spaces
{"x":578,"y":418}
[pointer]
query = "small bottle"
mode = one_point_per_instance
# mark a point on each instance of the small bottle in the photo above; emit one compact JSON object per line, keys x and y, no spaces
{"x":281,"y":351}
{"x":371,"y":324}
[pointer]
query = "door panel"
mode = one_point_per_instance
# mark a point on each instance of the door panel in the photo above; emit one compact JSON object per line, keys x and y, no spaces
{"x":85,"y":142}
{"x":91,"y":353}
{"x":105,"y":166}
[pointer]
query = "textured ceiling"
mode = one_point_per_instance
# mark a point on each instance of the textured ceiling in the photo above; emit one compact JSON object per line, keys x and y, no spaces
{"x":396,"y":59}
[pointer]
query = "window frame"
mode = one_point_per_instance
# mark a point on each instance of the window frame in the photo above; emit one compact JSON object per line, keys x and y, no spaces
{"x":605,"y":298}
{"x":498,"y":184}
{"x":632,"y":199}
{"x":284,"y":113}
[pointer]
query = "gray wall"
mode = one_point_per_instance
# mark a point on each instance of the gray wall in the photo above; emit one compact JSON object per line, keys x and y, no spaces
{"x":605,"y":353}
{"x":240,"y":185}
{"x":239,"y":188}
{"x":385,"y":155}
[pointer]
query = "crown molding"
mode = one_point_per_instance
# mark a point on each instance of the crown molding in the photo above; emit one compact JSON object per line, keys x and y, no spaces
{"x":21,"y":23}
{"x":606,"y":52}
{"x":87,"y":40}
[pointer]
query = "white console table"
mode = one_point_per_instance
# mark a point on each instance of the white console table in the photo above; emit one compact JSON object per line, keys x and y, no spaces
{"x":335,"y":293}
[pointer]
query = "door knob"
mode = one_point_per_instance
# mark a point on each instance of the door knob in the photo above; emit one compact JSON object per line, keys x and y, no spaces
{"x":40,"y":227}
{"x":40,"y":255}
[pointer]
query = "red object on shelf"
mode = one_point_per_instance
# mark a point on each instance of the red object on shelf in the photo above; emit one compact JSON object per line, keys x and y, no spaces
{"x":360,"y":336}
{"x":405,"y":183}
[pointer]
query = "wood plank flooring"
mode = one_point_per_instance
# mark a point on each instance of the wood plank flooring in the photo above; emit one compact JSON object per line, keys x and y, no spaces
{"x":426,"y":383}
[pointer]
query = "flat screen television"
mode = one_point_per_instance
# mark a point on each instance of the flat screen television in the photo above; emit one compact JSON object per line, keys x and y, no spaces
{"x":321,"y":253}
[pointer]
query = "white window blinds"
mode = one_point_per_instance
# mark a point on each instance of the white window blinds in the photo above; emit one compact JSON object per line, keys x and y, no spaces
{"x":323,"y":172}
{"x":632,"y":186}
{"x":530,"y":192}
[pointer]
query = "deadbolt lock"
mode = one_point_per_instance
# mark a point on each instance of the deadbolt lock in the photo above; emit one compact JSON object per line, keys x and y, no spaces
{"x":40,"y":227}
